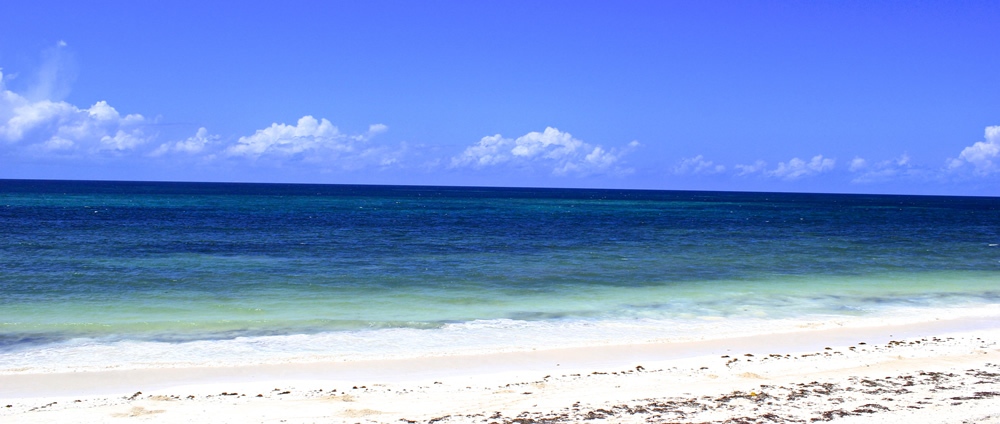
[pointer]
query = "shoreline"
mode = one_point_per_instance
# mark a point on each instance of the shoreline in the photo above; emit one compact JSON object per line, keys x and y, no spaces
{"x":413,"y":369}
{"x":542,"y":385}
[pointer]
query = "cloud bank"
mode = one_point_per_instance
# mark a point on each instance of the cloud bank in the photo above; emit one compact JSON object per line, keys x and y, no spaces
{"x":45,"y":128}
{"x":553,"y":150}
{"x":38,"y":125}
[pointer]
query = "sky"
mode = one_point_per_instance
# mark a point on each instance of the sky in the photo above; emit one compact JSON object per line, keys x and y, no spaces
{"x":788,"y":96}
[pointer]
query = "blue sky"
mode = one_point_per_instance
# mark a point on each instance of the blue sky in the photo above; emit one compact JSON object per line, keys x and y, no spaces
{"x":855,"y":97}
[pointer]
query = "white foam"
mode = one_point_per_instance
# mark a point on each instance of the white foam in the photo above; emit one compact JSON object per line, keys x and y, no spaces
{"x":475,"y":337}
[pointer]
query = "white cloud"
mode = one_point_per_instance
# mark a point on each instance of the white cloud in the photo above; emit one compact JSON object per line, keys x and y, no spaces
{"x":698,"y":165}
{"x":375,"y":129}
{"x":857,"y":164}
{"x":48,"y":126}
{"x":758,"y":166}
{"x":868,"y":172}
{"x":282,"y":139}
{"x":793,"y":169}
{"x":981,"y":155}
{"x":490,"y":150}
{"x":192,"y":145}
{"x":797,"y":168}
{"x":122,"y":140}
{"x":318,"y":141}
{"x":553,"y":149}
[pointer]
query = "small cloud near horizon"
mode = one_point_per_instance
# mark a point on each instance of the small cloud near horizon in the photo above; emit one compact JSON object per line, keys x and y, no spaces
{"x":794,"y":169}
{"x":697,"y":165}
{"x":558,"y":152}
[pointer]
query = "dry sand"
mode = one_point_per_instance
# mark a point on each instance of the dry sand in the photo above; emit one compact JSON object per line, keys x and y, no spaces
{"x":943,"y":372}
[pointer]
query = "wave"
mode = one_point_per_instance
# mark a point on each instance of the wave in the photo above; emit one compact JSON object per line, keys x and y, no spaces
{"x":463,"y":338}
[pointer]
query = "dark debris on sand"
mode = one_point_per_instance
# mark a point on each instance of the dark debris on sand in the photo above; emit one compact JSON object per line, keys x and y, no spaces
{"x":813,"y":402}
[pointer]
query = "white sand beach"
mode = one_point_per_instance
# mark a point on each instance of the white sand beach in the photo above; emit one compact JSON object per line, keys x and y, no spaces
{"x":929,"y":373}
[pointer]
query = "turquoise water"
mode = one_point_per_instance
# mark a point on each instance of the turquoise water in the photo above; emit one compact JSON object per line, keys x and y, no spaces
{"x":195,"y":273}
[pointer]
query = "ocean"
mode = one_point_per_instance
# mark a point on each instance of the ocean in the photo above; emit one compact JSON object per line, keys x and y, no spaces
{"x":122,"y":275}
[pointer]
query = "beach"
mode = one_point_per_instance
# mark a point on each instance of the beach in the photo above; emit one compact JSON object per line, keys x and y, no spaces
{"x":932,"y":372}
